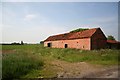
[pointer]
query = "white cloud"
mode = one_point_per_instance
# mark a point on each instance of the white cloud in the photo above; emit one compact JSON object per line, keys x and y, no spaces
{"x":30,"y":17}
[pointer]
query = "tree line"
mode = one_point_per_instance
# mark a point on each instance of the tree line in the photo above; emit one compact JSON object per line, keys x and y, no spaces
{"x":14,"y":43}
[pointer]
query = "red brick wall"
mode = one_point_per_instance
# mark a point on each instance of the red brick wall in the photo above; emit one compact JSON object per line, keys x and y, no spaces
{"x":83,"y":44}
{"x":98,"y":40}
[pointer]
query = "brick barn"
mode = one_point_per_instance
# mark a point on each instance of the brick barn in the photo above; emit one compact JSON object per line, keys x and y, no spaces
{"x":85,"y":40}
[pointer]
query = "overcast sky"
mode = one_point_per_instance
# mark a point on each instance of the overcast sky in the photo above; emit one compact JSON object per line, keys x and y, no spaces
{"x":35,"y":21}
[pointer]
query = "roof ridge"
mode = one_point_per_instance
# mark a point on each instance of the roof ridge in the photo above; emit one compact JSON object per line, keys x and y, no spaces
{"x":74,"y":32}
{"x":60,"y":34}
{"x":74,"y":35}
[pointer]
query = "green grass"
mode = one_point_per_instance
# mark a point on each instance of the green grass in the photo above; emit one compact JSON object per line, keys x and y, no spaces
{"x":27,"y":61}
{"x":19,"y":62}
{"x":47,"y":72}
{"x":95,"y":57}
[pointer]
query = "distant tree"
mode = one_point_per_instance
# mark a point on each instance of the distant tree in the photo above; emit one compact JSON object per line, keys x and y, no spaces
{"x":110,"y":37}
{"x":78,"y":30}
{"x":14,"y":43}
{"x":41,"y":42}
{"x":22,"y":43}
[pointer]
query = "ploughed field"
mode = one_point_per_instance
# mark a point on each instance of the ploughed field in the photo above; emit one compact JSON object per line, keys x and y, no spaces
{"x":36,"y":61}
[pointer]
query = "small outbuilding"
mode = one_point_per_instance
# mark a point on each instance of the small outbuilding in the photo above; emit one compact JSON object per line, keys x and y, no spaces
{"x":113,"y":44}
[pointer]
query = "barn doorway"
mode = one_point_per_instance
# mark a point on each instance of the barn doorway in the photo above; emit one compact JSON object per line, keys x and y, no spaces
{"x":66,"y":45}
{"x":49,"y":44}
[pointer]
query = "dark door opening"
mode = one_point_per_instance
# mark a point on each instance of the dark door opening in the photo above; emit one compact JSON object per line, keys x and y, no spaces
{"x":66,"y":45}
{"x":49,"y":44}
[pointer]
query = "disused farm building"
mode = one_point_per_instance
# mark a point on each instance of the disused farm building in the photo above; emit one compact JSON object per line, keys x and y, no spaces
{"x":113,"y":44}
{"x":85,"y":40}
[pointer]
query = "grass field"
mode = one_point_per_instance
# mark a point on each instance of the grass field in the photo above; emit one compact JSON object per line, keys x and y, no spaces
{"x":30,"y":61}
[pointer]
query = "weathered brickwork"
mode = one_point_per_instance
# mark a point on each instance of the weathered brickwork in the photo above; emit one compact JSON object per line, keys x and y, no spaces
{"x":83,"y":44}
{"x":98,"y":40}
{"x":87,"y":40}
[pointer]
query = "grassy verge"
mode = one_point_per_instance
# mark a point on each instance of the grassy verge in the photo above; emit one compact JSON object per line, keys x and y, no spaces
{"x":18,"y":63}
{"x":26,"y":61}
{"x":47,"y":72}
{"x":102,"y":57}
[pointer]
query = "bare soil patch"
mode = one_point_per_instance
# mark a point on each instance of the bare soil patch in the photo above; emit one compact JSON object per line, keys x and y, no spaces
{"x":83,"y":70}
